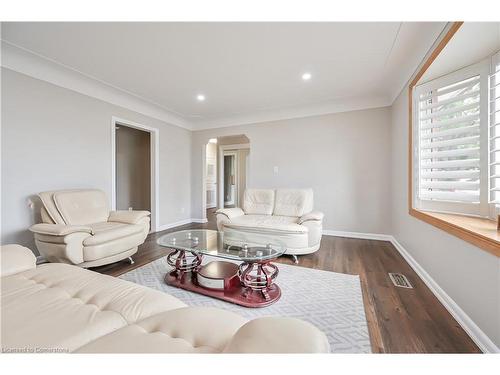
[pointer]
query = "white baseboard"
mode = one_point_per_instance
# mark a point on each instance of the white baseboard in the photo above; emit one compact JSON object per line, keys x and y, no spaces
{"x":200,"y":221}
{"x":476,"y":334}
{"x":365,"y":236}
{"x":173,"y":225}
{"x":179,"y":223}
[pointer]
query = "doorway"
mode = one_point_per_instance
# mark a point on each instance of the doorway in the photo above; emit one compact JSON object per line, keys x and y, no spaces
{"x":134,"y":168}
{"x":230,"y":173}
{"x":226,"y":170}
{"x":211,"y":174}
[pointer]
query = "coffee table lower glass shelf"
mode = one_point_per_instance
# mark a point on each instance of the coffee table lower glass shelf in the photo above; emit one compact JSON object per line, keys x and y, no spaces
{"x":250,"y":283}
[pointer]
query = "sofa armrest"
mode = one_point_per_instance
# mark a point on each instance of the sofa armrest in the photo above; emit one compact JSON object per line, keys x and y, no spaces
{"x":278,"y":335}
{"x":15,"y":259}
{"x":127,"y":216}
{"x":311,"y":216}
{"x":59,"y":229}
{"x":230,"y":213}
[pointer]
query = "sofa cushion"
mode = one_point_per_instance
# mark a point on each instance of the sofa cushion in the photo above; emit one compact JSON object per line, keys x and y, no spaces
{"x":258,"y":201}
{"x":82,"y":206}
{"x":259,"y":222}
{"x":59,"y":306}
{"x":15,"y":259}
{"x":293,"y":202}
{"x":185,"y":330}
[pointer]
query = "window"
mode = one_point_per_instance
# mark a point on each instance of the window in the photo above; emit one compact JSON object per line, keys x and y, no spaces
{"x":451,"y":168}
{"x":494,"y":110}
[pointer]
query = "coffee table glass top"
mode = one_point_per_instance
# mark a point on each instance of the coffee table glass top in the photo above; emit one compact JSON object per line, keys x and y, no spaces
{"x":213,"y":243}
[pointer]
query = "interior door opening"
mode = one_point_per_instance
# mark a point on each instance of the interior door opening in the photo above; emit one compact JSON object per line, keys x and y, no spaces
{"x":133,"y":168}
{"x":230,"y":171}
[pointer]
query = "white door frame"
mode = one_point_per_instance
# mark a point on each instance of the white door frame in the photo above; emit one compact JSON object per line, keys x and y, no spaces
{"x":155,"y":166}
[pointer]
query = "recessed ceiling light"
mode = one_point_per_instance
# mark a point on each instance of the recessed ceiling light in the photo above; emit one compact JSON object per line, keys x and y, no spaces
{"x":306,"y":76}
{"x":200,"y":97}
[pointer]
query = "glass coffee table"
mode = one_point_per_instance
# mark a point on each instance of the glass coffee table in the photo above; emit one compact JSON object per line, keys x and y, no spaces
{"x":243,"y":275}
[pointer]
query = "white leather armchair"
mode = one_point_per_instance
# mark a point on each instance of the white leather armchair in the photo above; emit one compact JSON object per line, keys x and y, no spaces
{"x":284,"y":214}
{"x":79,"y":229}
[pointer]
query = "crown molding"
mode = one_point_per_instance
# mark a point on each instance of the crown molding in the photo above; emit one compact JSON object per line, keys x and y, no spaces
{"x":31,"y":64}
{"x":330,"y":107}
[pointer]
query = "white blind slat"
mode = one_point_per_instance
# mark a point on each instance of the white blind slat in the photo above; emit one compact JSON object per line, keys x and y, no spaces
{"x":451,"y":111}
{"x":450,"y":196}
{"x":454,"y":131}
{"x":444,"y":91}
{"x":450,"y":174}
{"x":459,"y":185}
{"x":474,"y":151}
{"x":451,"y":142}
{"x":460,"y":163}
{"x":454,"y":121}
{"x":448,"y":101}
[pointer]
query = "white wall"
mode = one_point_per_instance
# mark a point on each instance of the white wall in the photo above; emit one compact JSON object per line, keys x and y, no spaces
{"x":54,"y":138}
{"x":469,"y":275}
{"x":344,"y":157}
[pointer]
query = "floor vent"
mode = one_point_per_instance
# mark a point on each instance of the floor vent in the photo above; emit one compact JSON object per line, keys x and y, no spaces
{"x":400,"y":280}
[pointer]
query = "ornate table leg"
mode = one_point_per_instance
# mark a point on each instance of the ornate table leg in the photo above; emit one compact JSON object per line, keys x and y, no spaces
{"x":183,"y":262}
{"x":258,"y":277}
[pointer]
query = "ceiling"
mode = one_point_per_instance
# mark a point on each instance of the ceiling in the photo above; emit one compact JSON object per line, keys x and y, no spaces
{"x":248,"y":72}
{"x":479,"y":39}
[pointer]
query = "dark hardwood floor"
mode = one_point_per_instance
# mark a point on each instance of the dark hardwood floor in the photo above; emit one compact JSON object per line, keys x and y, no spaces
{"x":399,"y":320}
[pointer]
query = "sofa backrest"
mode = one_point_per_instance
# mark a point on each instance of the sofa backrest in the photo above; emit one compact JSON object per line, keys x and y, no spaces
{"x":293,"y":202}
{"x":279,"y":202}
{"x":76,"y":207}
{"x":258,"y":201}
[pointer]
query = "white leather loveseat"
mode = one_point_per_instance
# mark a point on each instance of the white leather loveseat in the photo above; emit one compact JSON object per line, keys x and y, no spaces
{"x":284,"y":214}
{"x":58,"y":307}
{"x":78,"y":228}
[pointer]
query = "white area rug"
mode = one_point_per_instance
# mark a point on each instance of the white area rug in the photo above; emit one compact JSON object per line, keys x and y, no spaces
{"x":331,"y":301}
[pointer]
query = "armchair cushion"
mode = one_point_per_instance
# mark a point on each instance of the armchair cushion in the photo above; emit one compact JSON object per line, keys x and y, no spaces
{"x":230,"y":213}
{"x":15,"y":259}
{"x":110,"y":231}
{"x":79,"y":207}
{"x":127,"y":217}
{"x":311,"y":216}
{"x":60,"y":229}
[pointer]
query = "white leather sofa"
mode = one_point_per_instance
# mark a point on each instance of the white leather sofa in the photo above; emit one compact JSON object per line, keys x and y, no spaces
{"x":284,"y":214}
{"x":78,"y":228}
{"x":58,"y":307}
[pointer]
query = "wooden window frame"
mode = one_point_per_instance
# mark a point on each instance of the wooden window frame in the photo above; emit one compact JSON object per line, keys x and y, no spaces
{"x":480,"y":232}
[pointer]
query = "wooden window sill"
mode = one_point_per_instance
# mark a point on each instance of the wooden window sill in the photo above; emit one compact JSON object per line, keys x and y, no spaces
{"x":482,"y":233}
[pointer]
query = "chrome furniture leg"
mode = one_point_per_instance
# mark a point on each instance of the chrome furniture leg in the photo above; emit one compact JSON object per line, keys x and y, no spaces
{"x":295,"y":259}
{"x":130,"y":260}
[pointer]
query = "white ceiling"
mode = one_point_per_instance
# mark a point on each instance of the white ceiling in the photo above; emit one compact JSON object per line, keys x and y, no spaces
{"x":478,"y":39}
{"x":247,"y":71}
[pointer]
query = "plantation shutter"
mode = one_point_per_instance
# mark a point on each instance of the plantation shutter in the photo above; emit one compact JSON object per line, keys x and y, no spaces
{"x":449,"y":136}
{"x":495,"y":131}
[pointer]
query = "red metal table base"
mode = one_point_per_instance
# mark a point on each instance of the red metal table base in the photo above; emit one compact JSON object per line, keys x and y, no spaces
{"x":257,"y":288}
